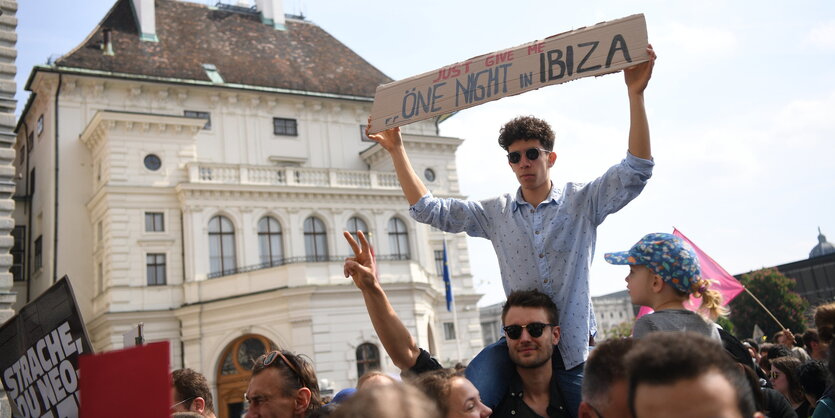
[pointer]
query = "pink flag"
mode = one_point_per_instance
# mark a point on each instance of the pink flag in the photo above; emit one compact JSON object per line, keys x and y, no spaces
{"x":719,"y":279}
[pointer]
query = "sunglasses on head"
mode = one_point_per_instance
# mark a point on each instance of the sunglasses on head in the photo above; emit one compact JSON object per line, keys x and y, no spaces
{"x":267,"y":359}
{"x":534,"y":329}
{"x":532,"y":154}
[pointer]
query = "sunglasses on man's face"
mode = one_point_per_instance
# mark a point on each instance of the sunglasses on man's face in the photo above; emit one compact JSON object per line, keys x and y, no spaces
{"x":535,"y":329}
{"x":532,"y":154}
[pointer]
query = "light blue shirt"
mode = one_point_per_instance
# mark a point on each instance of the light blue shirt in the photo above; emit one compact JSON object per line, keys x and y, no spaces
{"x":548,"y":248}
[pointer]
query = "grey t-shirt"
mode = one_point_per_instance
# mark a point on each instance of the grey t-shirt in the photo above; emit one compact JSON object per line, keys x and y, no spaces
{"x":675,"y":320}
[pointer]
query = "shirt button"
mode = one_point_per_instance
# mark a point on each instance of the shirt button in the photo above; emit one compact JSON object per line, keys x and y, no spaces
{"x":533,"y":210}
{"x":513,"y":412}
{"x":542,"y":256}
{"x":537,"y":232}
{"x":545,"y":281}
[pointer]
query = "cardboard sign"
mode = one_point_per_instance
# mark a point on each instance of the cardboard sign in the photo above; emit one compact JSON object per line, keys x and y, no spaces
{"x":601,"y":49}
{"x":39,"y":350}
{"x":128,"y":383}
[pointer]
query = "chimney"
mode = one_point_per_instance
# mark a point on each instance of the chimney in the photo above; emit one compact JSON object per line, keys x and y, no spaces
{"x":107,"y":42}
{"x":272,"y":13}
{"x":146,"y":19}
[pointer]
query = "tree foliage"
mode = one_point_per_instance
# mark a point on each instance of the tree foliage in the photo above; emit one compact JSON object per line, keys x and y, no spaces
{"x":775,"y":291}
{"x":624,"y":329}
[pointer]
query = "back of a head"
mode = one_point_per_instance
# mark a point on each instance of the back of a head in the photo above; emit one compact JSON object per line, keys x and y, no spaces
{"x":186,"y":415}
{"x":778,"y":350}
{"x":810,"y":336}
{"x":604,"y":367}
{"x":825,"y":322}
{"x":191,"y":384}
{"x":665,"y":358}
{"x":531,"y":299}
{"x":374,"y":378}
{"x":813,"y":378}
{"x":389,"y":401}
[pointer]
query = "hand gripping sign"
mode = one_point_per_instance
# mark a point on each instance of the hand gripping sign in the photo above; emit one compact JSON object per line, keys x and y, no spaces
{"x":600,"y":49}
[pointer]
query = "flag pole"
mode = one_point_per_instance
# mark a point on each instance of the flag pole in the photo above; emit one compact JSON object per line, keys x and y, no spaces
{"x":454,"y":310}
{"x":764,"y":308}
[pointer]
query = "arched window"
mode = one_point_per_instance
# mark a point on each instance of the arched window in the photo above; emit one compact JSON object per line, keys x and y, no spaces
{"x":398,"y":239}
{"x":221,"y":246}
{"x":368,"y":358}
{"x":315,"y":240}
{"x":355,"y":224}
{"x":269,"y":241}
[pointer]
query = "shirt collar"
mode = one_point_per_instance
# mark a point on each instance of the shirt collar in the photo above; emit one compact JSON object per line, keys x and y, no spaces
{"x":553,"y":196}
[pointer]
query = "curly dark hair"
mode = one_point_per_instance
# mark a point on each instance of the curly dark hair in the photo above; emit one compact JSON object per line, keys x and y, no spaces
{"x":526,"y":127}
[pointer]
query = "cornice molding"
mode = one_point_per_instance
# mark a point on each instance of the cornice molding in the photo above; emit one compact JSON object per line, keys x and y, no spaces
{"x":105,"y":121}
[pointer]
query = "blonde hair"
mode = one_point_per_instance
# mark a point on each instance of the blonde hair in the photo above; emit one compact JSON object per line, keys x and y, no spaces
{"x":711,"y":299}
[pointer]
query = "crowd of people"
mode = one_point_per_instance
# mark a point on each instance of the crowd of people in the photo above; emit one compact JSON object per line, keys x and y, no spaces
{"x":678,"y":363}
{"x":666,"y":372}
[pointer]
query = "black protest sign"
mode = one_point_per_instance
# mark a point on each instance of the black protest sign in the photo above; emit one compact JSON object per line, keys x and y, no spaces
{"x":600,"y":49}
{"x":39,"y":349}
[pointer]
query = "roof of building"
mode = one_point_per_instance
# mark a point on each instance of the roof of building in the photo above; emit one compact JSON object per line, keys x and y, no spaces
{"x":823,"y":247}
{"x":244,"y":50}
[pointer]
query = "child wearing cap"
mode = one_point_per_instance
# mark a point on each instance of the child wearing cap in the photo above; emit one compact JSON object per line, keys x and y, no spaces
{"x":664,"y":273}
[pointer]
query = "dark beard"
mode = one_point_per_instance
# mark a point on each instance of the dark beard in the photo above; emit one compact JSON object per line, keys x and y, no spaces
{"x":538,"y":364}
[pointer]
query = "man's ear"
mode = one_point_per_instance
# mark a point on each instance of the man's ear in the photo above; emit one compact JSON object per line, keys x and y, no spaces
{"x":198,"y":405}
{"x":552,"y":158}
{"x":556,"y":331}
{"x":303,"y":396}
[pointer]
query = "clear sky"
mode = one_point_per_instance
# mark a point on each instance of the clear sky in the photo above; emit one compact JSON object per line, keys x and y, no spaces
{"x":741,"y":109}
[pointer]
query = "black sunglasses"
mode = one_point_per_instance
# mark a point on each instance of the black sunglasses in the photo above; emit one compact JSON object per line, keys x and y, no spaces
{"x":534,"y":329}
{"x":532,"y":154}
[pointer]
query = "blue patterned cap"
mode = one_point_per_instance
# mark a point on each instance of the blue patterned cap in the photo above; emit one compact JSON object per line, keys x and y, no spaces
{"x":665,"y":255}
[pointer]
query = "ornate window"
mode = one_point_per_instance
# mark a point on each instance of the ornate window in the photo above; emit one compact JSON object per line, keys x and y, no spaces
{"x":269,"y":241}
{"x":221,"y":245}
{"x":398,"y":239}
{"x":315,"y":240}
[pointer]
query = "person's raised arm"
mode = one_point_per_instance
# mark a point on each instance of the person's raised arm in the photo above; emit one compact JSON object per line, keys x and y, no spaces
{"x":396,"y":339}
{"x":637,"y":78}
{"x":392,"y":141}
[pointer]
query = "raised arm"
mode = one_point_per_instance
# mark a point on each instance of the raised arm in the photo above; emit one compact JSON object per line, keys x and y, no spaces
{"x":637,"y":78}
{"x":392,"y":141}
{"x":396,"y":339}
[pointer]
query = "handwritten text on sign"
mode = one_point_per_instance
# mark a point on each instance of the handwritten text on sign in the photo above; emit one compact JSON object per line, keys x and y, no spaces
{"x":601,"y":49}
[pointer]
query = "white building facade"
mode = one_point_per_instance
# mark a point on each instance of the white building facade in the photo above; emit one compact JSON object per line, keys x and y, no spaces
{"x":210,"y":207}
{"x":613,"y":311}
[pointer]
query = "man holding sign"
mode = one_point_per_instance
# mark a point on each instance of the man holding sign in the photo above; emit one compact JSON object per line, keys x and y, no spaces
{"x":544,"y":236}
